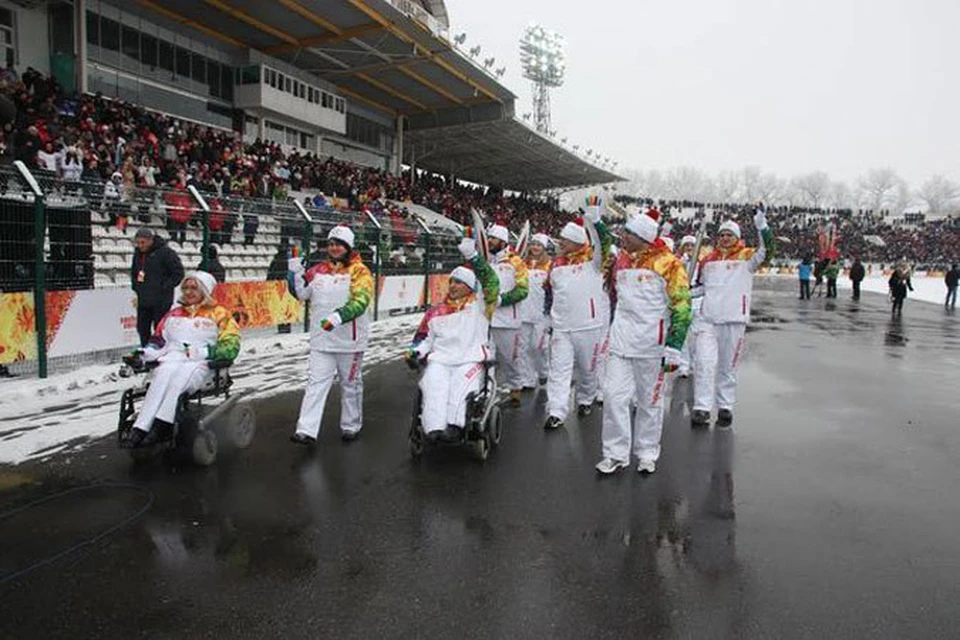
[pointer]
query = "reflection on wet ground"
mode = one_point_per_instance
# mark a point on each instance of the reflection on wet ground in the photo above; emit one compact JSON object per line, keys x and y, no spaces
{"x":826,"y":512}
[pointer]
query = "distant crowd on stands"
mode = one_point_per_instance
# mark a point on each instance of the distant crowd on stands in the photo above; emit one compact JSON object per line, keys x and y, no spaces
{"x":95,"y":140}
{"x":924,"y":244}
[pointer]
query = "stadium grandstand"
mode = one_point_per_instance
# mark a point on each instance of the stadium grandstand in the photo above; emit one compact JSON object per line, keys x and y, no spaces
{"x":242,"y":128}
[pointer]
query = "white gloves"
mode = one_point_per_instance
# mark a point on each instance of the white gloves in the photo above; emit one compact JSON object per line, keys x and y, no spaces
{"x":294,"y":265}
{"x":671,"y":359}
{"x":331,"y":322}
{"x":760,"y":218}
{"x":468,"y":248}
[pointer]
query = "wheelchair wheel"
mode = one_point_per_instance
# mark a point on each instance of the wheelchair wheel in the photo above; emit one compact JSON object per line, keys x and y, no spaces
{"x":416,"y":443}
{"x":481,"y":448}
{"x":241,"y":425}
{"x":495,"y":426}
{"x":205,"y":448}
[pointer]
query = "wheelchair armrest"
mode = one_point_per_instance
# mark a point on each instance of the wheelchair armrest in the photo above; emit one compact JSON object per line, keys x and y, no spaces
{"x":219,"y":365}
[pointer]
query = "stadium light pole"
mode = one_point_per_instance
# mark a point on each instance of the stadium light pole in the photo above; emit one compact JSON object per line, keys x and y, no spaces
{"x":543,"y":58}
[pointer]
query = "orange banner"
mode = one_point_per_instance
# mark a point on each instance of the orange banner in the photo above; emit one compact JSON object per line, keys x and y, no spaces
{"x":259,"y":304}
{"x":18,"y":337}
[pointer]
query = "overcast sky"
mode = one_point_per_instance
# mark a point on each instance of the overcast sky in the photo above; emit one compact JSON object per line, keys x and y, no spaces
{"x":791,"y":86}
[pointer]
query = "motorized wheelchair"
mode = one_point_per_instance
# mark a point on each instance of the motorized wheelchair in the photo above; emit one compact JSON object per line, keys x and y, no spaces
{"x":196,"y":425}
{"x":484,"y":424}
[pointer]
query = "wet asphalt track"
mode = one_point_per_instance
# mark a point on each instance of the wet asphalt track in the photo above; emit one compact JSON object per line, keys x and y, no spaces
{"x":830,"y":511}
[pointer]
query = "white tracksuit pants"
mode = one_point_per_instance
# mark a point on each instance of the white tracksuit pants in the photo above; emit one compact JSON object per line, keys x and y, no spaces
{"x":717,"y":354}
{"x":536,"y":353}
{"x":626,"y":379}
{"x":569,"y":348}
{"x":321,"y":369}
{"x":170,"y":380}
{"x":508,"y":348}
{"x":445,"y":389}
{"x":688,"y":353}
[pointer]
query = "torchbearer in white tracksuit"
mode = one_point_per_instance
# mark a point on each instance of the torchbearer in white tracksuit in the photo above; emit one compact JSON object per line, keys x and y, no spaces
{"x":507,"y":321}
{"x":453,"y":339}
{"x":187,"y":339}
{"x":536,"y":322}
{"x":651,"y":295}
{"x":726,"y":277}
{"x":687,"y":246}
{"x":339,"y":289}
{"x":579,"y":314}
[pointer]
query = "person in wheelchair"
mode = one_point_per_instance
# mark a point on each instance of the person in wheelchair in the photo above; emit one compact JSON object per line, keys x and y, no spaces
{"x":452,"y":339}
{"x":187,"y":341}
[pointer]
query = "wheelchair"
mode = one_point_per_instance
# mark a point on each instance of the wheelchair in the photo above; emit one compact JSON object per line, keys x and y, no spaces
{"x":484,"y":424}
{"x":197,"y":421}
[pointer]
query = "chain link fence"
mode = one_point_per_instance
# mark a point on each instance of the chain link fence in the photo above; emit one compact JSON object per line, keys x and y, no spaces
{"x":67,"y":260}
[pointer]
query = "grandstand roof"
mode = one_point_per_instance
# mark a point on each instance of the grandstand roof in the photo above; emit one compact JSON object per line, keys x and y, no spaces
{"x":399,"y":61}
{"x":396,"y":56}
{"x":503,"y":152}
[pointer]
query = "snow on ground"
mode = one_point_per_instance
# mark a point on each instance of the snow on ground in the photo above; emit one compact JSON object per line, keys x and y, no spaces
{"x":924,"y":289}
{"x":43,"y":417}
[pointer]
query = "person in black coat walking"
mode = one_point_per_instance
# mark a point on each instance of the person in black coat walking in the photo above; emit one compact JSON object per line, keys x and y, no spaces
{"x":857,"y":274}
{"x":155,"y":272}
{"x":899,"y":285}
{"x":951,"y":280}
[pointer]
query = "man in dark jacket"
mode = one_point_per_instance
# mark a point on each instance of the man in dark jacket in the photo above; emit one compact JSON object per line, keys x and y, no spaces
{"x":155,"y":272}
{"x":857,"y":274}
{"x":951,"y":280}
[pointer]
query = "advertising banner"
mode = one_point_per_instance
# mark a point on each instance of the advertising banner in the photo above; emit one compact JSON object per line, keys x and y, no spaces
{"x":400,"y":292}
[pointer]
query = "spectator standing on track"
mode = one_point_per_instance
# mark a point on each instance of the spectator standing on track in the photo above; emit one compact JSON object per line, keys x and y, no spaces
{"x":727,"y":279}
{"x":951,"y":279}
{"x":579,"y":314}
{"x":155,"y":272}
{"x":536,"y":323}
{"x":831,"y":272}
{"x":507,"y":322}
{"x":857,"y":274}
{"x":339,"y":289}
{"x":818,"y":268}
{"x":804,"y":271}
{"x":651,"y":315}
{"x":899,"y":284}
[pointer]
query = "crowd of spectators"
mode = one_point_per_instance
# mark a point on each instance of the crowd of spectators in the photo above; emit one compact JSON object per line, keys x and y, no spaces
{"x":800,"y":230}
{"x":126,"y":148}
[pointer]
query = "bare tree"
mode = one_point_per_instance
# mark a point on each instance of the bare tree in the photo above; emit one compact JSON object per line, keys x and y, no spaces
{"x":771,"y":190}
{"x":881,"y":189}
{"x":840,"y":196}
{"x":726,"y":186}
{"x":939,"y":194}
{"x":813,"y":188}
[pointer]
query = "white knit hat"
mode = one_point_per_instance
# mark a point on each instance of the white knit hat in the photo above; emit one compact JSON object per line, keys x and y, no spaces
{"x":731,"y":226}
{"x":643,"y":226}
{"x":667,"y":240}
{"x":574,"y":232}
{"x":542,"y":239}
{"x":688,"y":240}
{"x":466,"y":276}
{"x":499,"y":232}
{"x":343,"y":234}
{"x":205,"y":281}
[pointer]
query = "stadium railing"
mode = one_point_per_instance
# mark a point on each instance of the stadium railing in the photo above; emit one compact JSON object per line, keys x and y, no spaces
{"x":66,"y":250}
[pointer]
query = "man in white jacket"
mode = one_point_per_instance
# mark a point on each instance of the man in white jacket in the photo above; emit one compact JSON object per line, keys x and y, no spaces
{"x":650,"y":319}
{"x":507,"y":321}
{"x":726,"y":276}
{"x":339,"y":289}
{"x":579,"y":314}
{"x":536,"y":322}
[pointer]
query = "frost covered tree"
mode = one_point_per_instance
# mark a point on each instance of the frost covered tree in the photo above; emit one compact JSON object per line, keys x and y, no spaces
{"x":939,"y":194}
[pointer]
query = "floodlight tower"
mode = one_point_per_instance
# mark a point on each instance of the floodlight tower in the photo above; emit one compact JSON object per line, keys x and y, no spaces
{"x":543,"y":57}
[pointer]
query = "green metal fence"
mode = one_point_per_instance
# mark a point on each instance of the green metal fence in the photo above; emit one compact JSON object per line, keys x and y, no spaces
{"x":58,"y":236}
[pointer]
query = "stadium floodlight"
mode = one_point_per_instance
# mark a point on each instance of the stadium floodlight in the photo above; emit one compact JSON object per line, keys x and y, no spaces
{"x":501,"y":71}
{"x":475,"y":51}
{"x":543,"y":57}
{"x":460,"y":38}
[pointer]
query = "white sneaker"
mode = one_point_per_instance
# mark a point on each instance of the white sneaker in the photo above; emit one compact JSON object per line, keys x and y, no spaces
{"x":609,"y":465}
{"x":646,"y":466}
